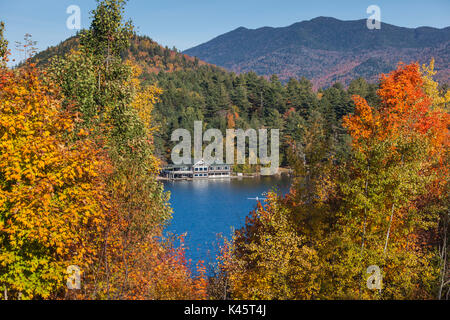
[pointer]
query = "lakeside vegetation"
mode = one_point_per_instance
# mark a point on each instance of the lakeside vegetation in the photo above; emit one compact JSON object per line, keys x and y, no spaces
{"x":83,"y":138}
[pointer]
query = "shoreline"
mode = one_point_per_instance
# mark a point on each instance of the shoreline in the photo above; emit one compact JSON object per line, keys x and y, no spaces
{"x":281,"y":171}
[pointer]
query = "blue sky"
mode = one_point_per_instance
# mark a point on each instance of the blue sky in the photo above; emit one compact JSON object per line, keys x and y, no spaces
{"x":186,"y":23}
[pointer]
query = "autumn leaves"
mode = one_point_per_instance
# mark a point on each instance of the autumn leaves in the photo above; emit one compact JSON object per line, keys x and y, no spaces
{"x":78,"y":178}
{"x":52,"y":198}
{"x":384,"y":204}
{"x":78,"y":187}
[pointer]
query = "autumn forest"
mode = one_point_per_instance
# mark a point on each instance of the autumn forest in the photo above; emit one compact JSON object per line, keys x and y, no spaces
{"x":85,"y":132}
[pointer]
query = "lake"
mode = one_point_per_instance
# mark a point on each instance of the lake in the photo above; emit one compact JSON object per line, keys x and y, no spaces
{"x":205,"y":208}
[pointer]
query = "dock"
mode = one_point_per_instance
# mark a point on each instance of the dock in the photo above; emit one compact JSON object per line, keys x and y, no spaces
{"x":199,"y":170}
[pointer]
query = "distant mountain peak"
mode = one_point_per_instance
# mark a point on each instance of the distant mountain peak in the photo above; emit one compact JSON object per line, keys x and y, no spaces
{"x":326,"y":50}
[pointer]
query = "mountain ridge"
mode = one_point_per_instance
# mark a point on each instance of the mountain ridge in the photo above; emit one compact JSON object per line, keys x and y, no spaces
{"x":322,"y":49}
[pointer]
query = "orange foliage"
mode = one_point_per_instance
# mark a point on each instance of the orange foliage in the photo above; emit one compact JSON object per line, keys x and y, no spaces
{"x":405,"y":109}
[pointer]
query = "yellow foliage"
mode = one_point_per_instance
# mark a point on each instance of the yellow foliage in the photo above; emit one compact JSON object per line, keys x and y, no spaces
{"x":52,"y":198}
{"x":431,"y":87}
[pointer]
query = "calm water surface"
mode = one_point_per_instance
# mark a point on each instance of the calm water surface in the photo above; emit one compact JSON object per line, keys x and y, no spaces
{"x":205,"y":208}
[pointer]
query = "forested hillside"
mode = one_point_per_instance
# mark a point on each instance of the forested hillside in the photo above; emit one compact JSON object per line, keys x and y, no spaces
{"x":224,"y":100}
{"x":151,"y":56}
{"x":194,"y":90}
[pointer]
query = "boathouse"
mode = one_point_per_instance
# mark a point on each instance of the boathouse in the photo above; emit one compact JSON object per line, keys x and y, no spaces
{"x":199,"y":170}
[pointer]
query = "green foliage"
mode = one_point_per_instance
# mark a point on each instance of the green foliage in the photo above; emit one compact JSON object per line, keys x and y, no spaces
{"x":101,"y":86}
{"x":108,"y":35}
{"x":210,"y":94}
{"x":76,"y":77}
{"x":3,"y":41}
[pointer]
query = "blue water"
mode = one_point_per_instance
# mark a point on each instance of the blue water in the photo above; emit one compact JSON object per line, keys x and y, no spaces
{"x":206,"y":208}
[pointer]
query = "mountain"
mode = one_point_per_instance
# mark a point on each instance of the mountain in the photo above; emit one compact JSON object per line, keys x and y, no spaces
{"x":150,"y":55}
{"x":326,"y":50}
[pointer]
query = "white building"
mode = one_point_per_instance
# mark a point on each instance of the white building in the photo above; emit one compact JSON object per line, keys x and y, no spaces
{"x":198,"y":171}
